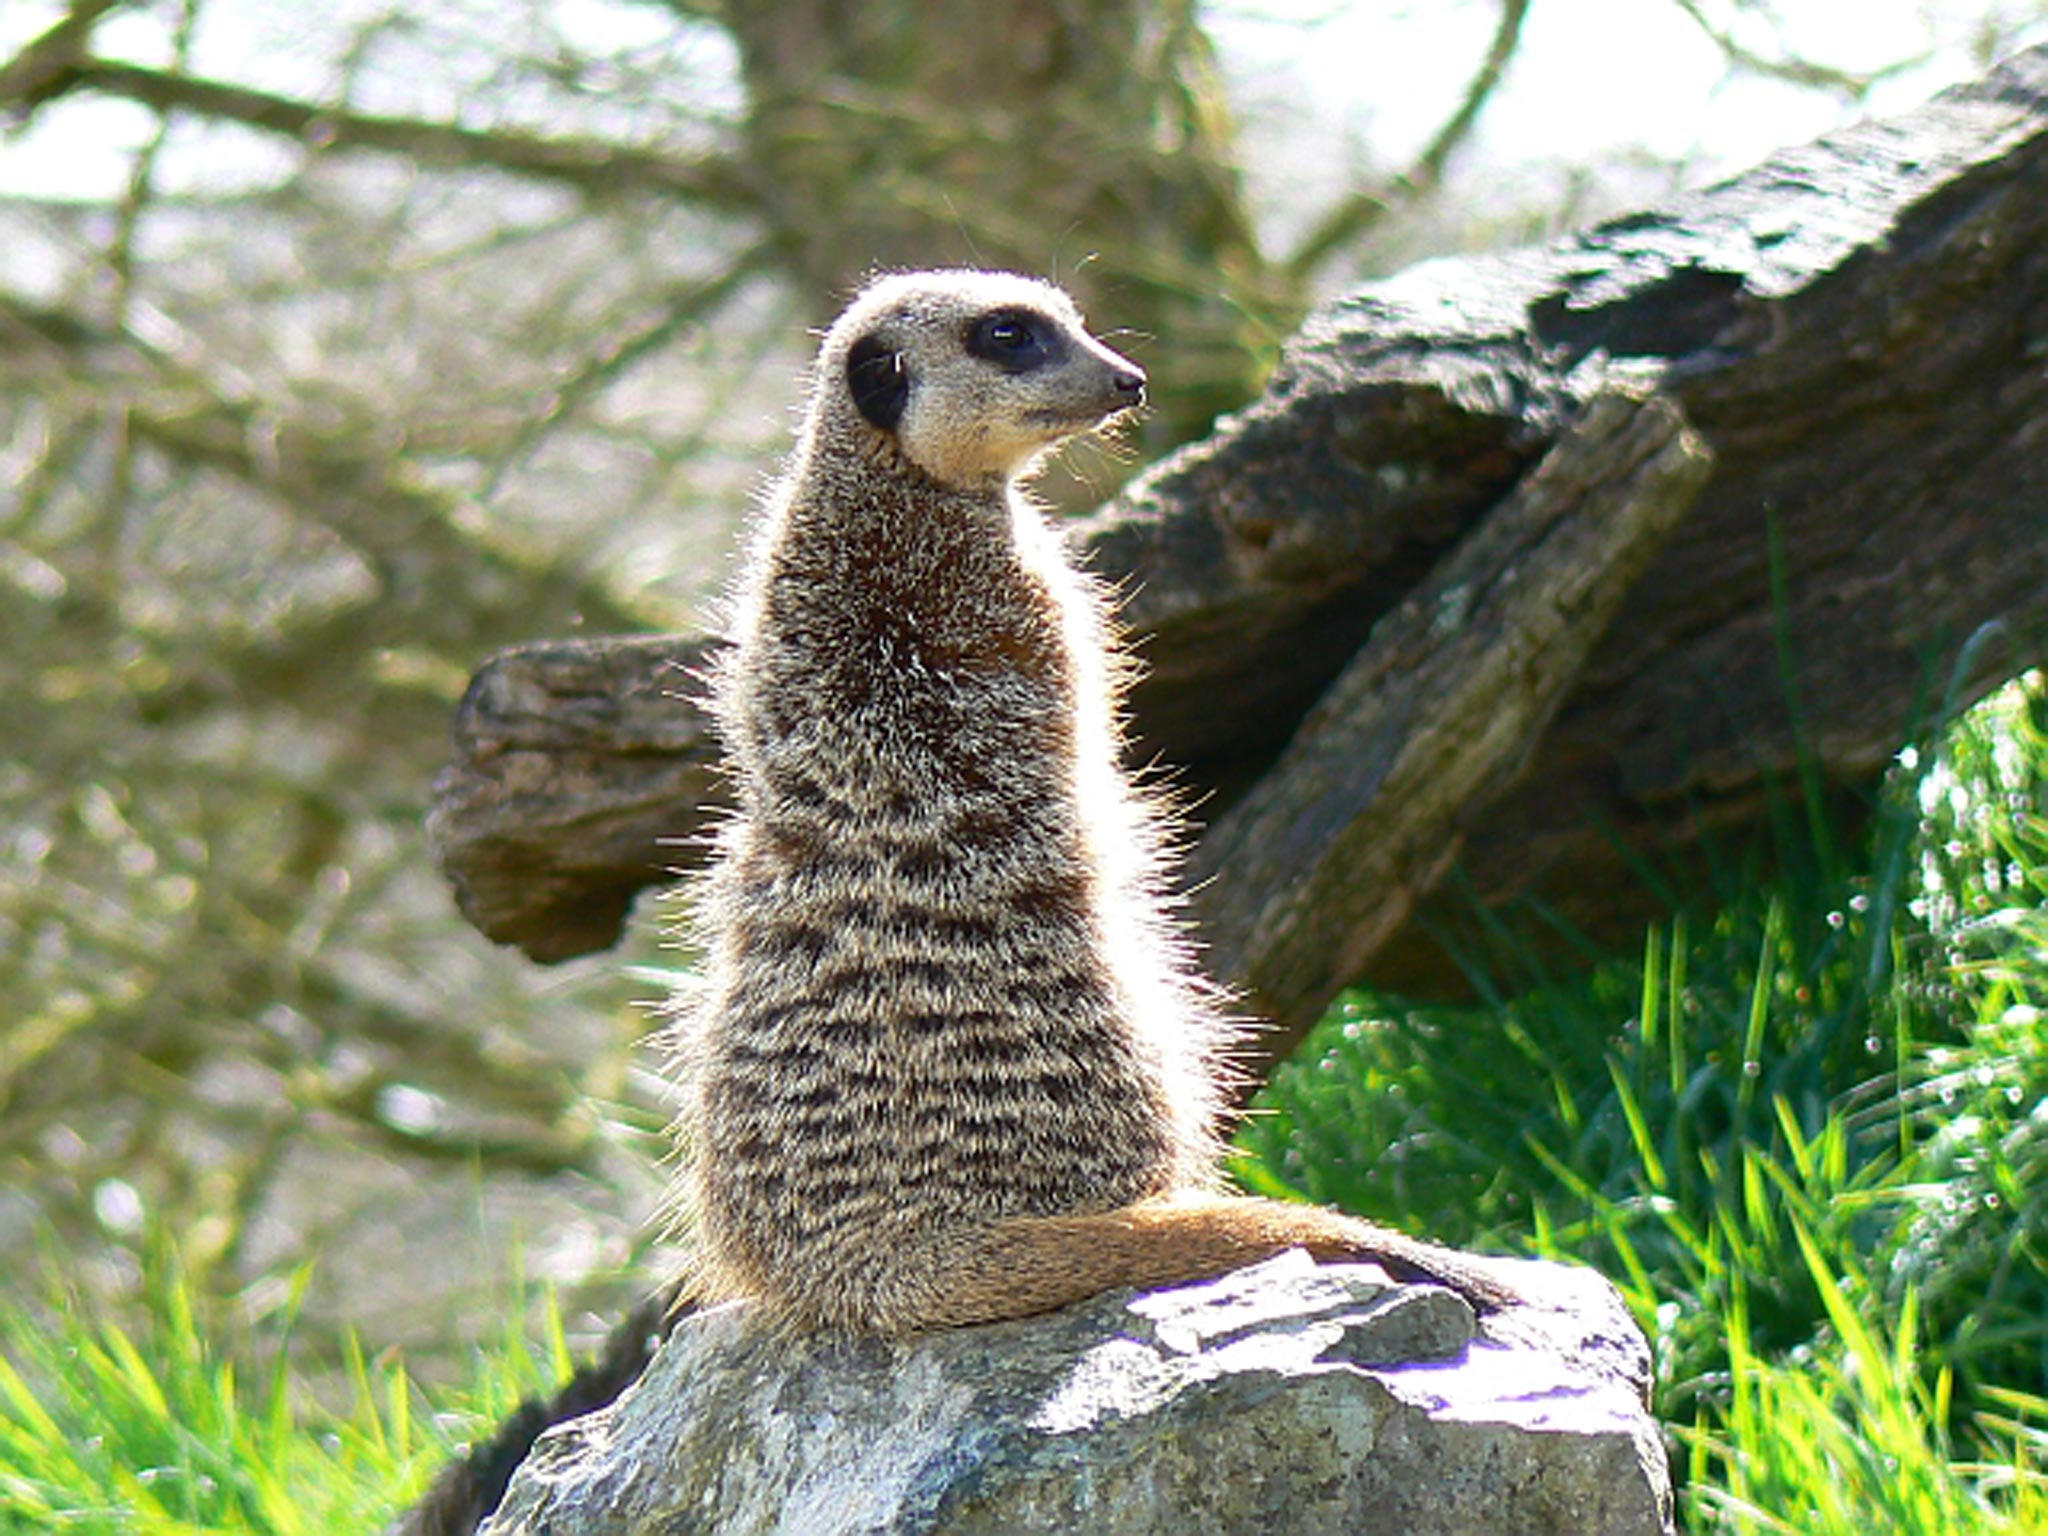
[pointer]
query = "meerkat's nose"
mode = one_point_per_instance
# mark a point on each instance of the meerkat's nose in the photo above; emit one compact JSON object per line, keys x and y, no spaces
{"x":1130,"y":386}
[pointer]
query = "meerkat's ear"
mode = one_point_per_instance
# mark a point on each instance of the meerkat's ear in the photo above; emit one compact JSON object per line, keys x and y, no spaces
{"x":880,"y":381}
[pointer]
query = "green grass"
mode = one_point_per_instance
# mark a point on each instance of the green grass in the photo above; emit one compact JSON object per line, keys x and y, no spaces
{"x":1805,"y":1133}
{"x":157,"y":1423}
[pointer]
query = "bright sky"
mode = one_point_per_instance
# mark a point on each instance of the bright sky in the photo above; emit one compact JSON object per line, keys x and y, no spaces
{"x":1593,"y":76}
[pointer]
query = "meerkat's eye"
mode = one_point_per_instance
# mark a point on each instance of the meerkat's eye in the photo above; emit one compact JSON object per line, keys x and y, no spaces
{"x":1015,"y":340}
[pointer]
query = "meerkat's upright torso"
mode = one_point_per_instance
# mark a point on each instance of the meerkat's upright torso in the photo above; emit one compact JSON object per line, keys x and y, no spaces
{"x":947,"y":1063}
{"x":939,"y":992}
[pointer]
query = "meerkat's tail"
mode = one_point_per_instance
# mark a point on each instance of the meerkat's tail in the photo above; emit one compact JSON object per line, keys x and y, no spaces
{"x":1027,"y":1265}
{"x":470,"y":1488}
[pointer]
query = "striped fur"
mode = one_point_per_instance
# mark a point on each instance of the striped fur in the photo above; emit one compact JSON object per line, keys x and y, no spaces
{"x":944,"y":1014}
{"x":948,"y":1061}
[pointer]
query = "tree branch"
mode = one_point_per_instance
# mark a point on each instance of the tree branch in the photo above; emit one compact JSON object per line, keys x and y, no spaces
{"x":349,"y":476}
{"x":594,"y":166}
{"x":49,"y":65}
{"x":1791,"y":69}
{"x":675,"y":310}
{"x":1308,"y":876}
{"x":1358,"y":214}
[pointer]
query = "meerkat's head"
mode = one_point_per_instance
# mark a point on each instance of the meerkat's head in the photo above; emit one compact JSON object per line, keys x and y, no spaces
{"x":971,"y":376}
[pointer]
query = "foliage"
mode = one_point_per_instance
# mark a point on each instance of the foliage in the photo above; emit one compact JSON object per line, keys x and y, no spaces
{"x":1850,"y":1438}
{"x":1804,"y":1125}
{"x":177,"y":1418}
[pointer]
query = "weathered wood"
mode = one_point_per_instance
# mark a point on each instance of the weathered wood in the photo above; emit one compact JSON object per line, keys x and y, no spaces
{"x":583,"y":773}
{"x":1304,"y":880}
{"x":1857,"y":332}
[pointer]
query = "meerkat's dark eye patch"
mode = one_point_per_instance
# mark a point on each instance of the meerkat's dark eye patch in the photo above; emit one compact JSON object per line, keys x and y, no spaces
{"x":1016,"y":340}
{"x":879,"y":381}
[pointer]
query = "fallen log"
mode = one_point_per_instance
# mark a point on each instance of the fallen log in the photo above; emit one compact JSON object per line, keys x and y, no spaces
{"x":1839,"y":358}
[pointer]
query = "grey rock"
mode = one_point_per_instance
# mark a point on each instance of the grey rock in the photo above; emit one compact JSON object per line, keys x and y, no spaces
{"x":1285,"y":1397}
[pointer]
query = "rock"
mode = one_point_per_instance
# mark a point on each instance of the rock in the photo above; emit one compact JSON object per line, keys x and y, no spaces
{"x":1285,"y":1397}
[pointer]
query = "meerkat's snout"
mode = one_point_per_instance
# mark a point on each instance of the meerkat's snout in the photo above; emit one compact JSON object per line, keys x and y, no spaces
{"x":1126,"y":381}
{"x":1117,"y":386}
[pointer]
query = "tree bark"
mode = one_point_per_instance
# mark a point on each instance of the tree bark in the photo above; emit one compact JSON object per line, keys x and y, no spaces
{"x":1421,"y":603}
{"x":584,"y":771}
{"x":1306,"y":878}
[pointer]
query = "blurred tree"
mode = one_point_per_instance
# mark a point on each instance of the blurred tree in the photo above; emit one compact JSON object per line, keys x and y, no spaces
{"x":1090,"y":139}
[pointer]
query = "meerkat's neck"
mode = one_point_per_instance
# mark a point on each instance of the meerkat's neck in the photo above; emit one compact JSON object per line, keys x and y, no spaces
{"x":935,"y":629}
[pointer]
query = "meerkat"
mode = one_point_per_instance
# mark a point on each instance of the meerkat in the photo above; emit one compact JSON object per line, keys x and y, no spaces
{"x":949,"y":1060}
